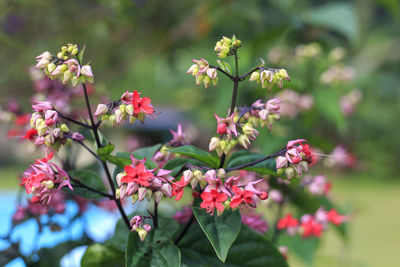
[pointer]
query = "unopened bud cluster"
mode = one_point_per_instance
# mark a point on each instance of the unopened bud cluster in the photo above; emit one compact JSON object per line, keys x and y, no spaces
{"x":296,"y":159}
{"x":227,"y":46}
{"x":131,"y":105}
{"x":138,"y":225}
{"x":203,"y":73}
{"x":270,"y":77}
{"x":65,"y":66}
{"x":47,"y":128}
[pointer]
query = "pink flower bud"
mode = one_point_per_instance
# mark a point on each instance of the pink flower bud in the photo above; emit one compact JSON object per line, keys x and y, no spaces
{"x":87,"y":71}
{"x":158,"y":196}
{"x":119,"y":116}
{"x":166,"y":189}
{"x":77,"y":136}
{"x":142,"y":191}
{"x":147,"y":227}
{"x":221,"y":128}
{"x":281,"y":162}
{"x":214,"y":143}
{"x":212,"y":73}
{"x":263,"y":114}
{"x":59,"y":70}
{"x":187,"y":175}
{"x":101,"y":110}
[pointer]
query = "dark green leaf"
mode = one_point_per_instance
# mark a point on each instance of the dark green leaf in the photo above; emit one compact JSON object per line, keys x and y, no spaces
{"x":101,"y":255}
{"x":220,"y":230}
{"x":118,"y":161}
{"x":197,"y":153}
{"x":146,"y":152}
{"x":90,"y":179}
{"x":165,"y":254}
{"x":250,"y":249}
{"x":243,"y":157}
{"x":138,"y":253}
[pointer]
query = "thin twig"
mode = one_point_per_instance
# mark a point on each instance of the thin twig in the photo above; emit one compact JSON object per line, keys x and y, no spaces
{"x":80,"y":184}
{"x":72,"y":120}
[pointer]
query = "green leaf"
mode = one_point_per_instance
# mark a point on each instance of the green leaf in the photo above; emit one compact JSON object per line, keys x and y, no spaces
{"x":146,"y":152}
{"x":101,"y":255}
{"x":176,"y":164}
{"x":197,"y":153}
{"x":305,"y":248}
{"x":220,"y":230}
{"x":118,"y":161}
{"x":138,"y":253}
{"x":90,"y":179}
{"x":81,"y":53}
{"x":243,"y":157}
{"x":225,"y":66}
{"x":157,"y":249}
{"x":341,"y":17}
{"x":250,"y":249}
{"x":165,"y":254}
{"x":104,"y":151}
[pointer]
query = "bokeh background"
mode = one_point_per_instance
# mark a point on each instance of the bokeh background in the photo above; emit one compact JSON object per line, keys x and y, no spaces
{"x":343,"y":58}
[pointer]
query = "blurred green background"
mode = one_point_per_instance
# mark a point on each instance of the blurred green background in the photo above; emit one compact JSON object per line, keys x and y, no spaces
{"x":330,"y":49}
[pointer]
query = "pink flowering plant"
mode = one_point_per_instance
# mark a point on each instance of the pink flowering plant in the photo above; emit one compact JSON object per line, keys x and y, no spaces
{"x":245,"y":206}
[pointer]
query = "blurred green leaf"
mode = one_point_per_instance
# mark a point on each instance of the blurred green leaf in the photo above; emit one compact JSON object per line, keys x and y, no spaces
{"x":97,"y":255}
{"x":340,"y":16}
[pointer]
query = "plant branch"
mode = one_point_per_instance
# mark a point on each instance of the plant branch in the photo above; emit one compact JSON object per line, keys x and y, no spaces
{"x":155,"y":218}
{"x":80,"y":184}
{"x":184,"y":230}
{"x":244,"y":76}
{"x":103,"y":163}
{"x":88,"y":149}
{"x":72,"y":120}
{"x":224,"y":72}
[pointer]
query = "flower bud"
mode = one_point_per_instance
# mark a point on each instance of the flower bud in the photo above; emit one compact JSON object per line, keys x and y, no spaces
{"x":87,"y":71}
{"x":132,"y":119}
{"x":281,"y":162}
{"x":67,"y":76}
{"x":187,"y":175}
{"x":193,"y":69}
{"x":112,"y":120}
{"x":214,"y":143}
{"x":290,"y":173}
{"x":263,"y":114}
{"x":283,"y":74}
{"x":51,"y":67}
{"x":244,"y":141}
{"x":248,"y":129}
{"x":64,"y":128}
{"x":135,"y":198}
{"x":119,"y":178}
{"x":255,"y":76}
{"x":221,"y":173}
{"x":101,"y":110}
{"x":142,"y":191}
{"x":117,"y":193}
{"x":74,"y":51}
{"x":158,"y":195}
{"x":212,"y":73}
{"x":223,"y":144}
{"x":129,"y":109}
{"x":142,"y":234}
{"x":42,"y":63}
{"x":147,"y":227}
{"x":59,"y":70}
{"x":206,"y":81}
{"x":199,"y":79}
{"x":74,"y":81}
{"x":148,"y":195}
{"x":166,"y":189}
{"x":304,"y":165}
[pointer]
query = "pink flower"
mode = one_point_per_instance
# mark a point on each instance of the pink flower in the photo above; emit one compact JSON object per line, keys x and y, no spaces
{"x":41,"y":106}
{"x":273,"y":105}
{"x":311,"y":227}
{"x":335,"y":218}
{"x":141,"y":104}
{"x":241,"y":196}
{"x":214,"y":183}
{"x":212,"y":200}
{"x":227,"y":125}
{"x":178,"y":137}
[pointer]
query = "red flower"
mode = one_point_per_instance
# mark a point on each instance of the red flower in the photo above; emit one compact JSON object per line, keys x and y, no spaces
{"x":141,"y":104}
{"x":22,"y":119}
{"x":30,"y":134}
{"x":335,"y":217}
{"x":177,"y":188}
{"x":241,"y":196}
{"x":212,"y":200}
{"x":286,"y":222}
{"x":138,"y":175}
{"x":311,"y":228}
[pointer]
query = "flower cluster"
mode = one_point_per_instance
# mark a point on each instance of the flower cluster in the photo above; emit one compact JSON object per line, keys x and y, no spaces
{"x":227,"y":46}
{"x":349,"y":101}
{"x":139,"y":182}
{"x":268,"y":77}
{"x":220,"y":193}
{"x":338,"y":74}
{"x":130,"y":105}
{"x":203,"y":72}
{"x":138,"y":224}
{"x":46,"y":126}
{"x":317,"y":185}
{"x":64,"y":66}
{"x":310,"y":225}
{"x":296,"y":159}
{"x":44,"y":180}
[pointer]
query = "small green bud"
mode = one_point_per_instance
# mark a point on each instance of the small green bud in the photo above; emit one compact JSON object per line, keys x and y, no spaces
{"x":64,"y":128}
{"x":74,"y":51}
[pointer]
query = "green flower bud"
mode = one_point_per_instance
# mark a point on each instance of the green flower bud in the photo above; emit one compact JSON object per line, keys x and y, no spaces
{"x":51,"y":67}
{"x":64,"y":128}
{"x":74,"y":51}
